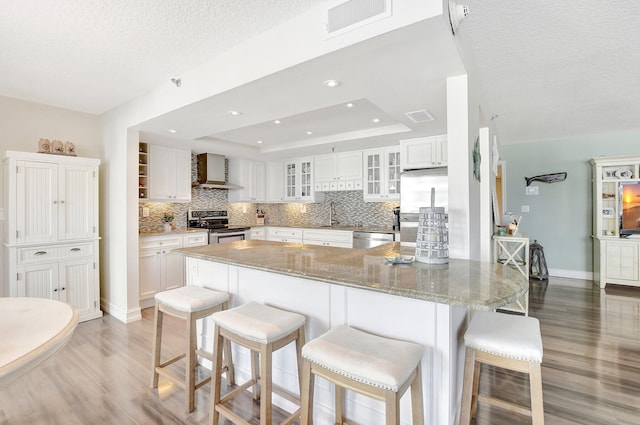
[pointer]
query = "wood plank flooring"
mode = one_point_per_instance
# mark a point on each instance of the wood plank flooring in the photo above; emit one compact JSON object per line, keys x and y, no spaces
{"x":590,"y":370}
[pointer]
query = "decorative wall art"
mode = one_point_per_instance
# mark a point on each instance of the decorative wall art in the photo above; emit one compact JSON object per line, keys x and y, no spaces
{"x":56,"y":147}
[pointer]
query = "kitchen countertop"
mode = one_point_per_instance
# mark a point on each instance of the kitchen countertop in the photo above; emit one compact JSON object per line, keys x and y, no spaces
{"x":368,"y":229}
{"x":472,"y":284}
{"x":173,"y":232}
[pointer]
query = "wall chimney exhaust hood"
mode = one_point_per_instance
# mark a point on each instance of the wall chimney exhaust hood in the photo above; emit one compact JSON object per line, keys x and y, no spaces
{"x":211,"y":172}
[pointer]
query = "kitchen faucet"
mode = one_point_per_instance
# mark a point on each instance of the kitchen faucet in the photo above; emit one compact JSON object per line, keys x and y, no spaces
{"x":332,"y":213}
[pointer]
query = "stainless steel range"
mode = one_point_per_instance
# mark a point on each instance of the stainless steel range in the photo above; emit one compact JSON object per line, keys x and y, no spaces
{"x":217,"y":222}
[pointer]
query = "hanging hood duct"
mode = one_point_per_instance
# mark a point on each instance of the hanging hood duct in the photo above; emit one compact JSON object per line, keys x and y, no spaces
{"x":212,"y":172}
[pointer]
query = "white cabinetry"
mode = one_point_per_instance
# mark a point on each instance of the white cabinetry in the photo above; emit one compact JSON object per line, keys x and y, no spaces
{"x":258,"y":233}
{"x":338,"y":238}
{"x":381,"y":169}
{"x":616,"y":260}
{"x":284,"y":234}
{"x":298,"y":176}
{"x":275,"y":181}
{"x":159,"y":269}
{"x":169,"y":174}
{"x":51,"y":234}
{"x":424,"y":152}
{"x":251,"y":176}
{"x":341,"y":171}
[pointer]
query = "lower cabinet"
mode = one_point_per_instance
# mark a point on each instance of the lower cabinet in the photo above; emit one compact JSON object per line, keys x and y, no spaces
{"x":68,"y":273}
{"x":159,"y":269}
{"x":617,"y":261}
{"x":337,"y":238}
{"x":284,"y":234}
{"x":258,"y":233}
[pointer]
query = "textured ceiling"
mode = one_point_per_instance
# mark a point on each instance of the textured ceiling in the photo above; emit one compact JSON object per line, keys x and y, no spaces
{"x":553,"y":69}
{"x":93,"y":55}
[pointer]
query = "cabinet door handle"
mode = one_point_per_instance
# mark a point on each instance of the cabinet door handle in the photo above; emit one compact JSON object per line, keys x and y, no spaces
{"x":63,"y":288}
{"x":75,"y":249}
{"x":55,"y":290}
{"x":55,"y":202}
{"x":62,"y":202}
{"x":40,"y":253}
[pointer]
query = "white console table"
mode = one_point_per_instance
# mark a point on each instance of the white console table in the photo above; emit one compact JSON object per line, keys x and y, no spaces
{"x":513,"y":250}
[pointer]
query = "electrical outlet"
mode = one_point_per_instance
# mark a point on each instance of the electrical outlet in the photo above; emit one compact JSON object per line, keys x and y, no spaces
{"x":531,"y":190}
{"x":145,"y":212}
{"x":303,"y":208}
{"x":524,"y":208}
{"x":244,"y":209}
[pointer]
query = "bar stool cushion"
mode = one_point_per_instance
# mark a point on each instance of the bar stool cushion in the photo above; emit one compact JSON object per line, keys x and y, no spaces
{"x":190,"y":298}
{"x":258,"y":322}
{"x":505,"y":335}
{"x":370,"y":359}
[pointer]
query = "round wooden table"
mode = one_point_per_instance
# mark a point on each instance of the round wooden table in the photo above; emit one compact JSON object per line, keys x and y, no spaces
{"x":31,"y":330}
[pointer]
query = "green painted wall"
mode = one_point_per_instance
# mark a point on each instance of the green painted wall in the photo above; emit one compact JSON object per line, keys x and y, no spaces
{"x":560,"y":216}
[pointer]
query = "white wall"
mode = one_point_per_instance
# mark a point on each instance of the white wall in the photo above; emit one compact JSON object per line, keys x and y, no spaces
{"x":23,"y":123}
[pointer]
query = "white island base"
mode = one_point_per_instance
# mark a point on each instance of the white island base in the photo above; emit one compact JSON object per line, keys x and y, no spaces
{"x":438,"y":327}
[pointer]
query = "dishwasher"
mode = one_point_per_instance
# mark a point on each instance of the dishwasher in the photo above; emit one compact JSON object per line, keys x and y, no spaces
{"x":370,"y":239}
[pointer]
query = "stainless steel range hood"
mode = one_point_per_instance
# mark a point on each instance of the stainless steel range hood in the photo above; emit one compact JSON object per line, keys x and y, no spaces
{"x":211,"y":172}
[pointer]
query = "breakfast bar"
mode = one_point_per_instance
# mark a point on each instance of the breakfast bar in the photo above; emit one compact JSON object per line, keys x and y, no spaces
{"x":423,"y":303}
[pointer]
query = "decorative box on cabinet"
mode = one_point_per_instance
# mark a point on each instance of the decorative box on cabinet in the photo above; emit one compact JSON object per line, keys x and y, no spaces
{"x":51,"y":229}
{"x":337,"y":172}
{"x":169,"y":174}
{"x":381,"y":169}
{"x":423,"y":152}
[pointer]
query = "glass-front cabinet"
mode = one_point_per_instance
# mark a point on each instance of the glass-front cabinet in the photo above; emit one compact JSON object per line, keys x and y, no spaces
{"x":381,"y":170}
{"x":299,"y":180}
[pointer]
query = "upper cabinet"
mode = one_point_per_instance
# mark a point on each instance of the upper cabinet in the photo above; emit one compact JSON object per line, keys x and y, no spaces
{"x":381,"y":169}
{"x":275,"y":181}
{"x":340,"y":171}
{"x":169,"y":174}
{"x":424,"y":152}
{"x":50,"y":198}
{"x":298,"y":177}
{"x":251,"y":176}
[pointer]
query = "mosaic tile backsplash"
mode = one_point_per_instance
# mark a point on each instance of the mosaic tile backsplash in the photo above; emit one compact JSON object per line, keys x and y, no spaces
{"x":350,"y":209}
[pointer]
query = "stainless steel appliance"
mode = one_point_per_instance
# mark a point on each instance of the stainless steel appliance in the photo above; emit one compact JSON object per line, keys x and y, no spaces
{"x":416,"y":192}
{"x":217,"y":222}
{"x":369,"y":240}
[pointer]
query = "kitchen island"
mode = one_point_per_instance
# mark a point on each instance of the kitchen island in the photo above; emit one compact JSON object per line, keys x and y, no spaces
{"x":423,"y":303}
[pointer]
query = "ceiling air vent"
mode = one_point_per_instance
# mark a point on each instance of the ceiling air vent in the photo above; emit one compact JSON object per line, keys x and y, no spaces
{"x":350,"y":14}
{"x":419,"y":116}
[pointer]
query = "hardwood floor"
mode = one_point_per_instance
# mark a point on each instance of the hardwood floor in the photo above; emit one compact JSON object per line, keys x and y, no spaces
{"x":590,"y":369}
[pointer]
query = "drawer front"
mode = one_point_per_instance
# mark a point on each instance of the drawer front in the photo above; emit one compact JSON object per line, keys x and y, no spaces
{"x":195,"y":240}
{"x":285,"y":233}
{"x":76,"y":250}
{"x":154,"y":242}
{"x":31,"y":255}
{"x":339,"y":236}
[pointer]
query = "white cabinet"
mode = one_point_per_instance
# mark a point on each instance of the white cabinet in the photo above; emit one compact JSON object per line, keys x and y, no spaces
{"x":284,"y":234}
{"x":338,"y":238}
{"x":159,"y":269}
{"x":258,"y":233}
{"x":381,"y":169}
{"x":298,"y":175}
{"x":622,"y":262}
{"x":341,"y":171}
{"x":275,"y":181}
{"x":169,"y":174}
{"x":251,"y":176}
{"x":51,"y":230}
{"x":424,"y":152}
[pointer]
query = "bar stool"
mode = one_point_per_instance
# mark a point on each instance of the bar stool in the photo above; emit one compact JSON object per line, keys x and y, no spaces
{"x":262,"y":330}
{"x":189,"y":303}
{"x":506,"y":341}
{"x":377,"y":367}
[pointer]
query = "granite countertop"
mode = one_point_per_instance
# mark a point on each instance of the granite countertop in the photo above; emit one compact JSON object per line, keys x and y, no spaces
{"x":369,"y":229}
{"x":472,"y":284}
{"x":173,"y":232}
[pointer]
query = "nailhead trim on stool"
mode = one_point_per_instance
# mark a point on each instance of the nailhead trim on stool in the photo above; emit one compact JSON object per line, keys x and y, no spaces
{"x":507,"y":341}
{"x":263,"y":330}
{"x":189,"y":303}
{"x":378,"y":367}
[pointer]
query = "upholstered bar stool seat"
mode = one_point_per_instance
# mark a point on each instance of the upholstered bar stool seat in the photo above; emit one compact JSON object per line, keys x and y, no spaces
{"x":263,"y":330}
{"x":189,"y":303}
{"x":378,"y":367}
{"x":507,"y":341}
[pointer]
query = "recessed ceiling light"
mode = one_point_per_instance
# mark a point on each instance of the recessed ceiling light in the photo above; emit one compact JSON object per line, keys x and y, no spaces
{"x":276,"y":122}
{"x":171,"y":130}
{"x":349,"y":105}
{"x":309,"y":133}
{"x":235,"y":113}
{"x":259,"y":141}
{"x":376,"y":120}
{"x":332,"y":83}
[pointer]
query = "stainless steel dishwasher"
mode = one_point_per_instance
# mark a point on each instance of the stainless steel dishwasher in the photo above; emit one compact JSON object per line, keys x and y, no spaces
{"x":369,"y":240}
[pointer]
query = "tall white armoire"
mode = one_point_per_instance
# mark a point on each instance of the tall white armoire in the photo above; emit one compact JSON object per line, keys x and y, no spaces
{"x":51,"y":229}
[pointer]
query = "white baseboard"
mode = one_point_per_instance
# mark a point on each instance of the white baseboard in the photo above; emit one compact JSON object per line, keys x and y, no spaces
{"x":571,"y":274}
{"x":125,"y":316}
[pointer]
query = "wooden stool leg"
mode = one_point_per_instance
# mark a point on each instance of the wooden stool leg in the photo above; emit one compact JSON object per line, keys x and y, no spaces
{"x":535,"y":384}
{"x":417,"y":406}
{"x":190,"y":363}
{"x":228,"y":363}
{"x":339,"y":403}
{"x":477,"y":368}
{"x":467,"y":386}
{"x":392,"y":408}
{"x":306,"y":394}
{"x":255,"y":375}
{"x":218,"y":341}
{"x":156,"y":344}
{"x":265,"y":384}
{"x":299,"y":343}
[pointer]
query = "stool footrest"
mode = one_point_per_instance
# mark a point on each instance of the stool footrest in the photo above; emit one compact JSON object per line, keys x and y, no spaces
{"x":172,"y":360}
{"x":231,"y":394}
{"x":173,"y":378}
{"x":507,"y":405}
